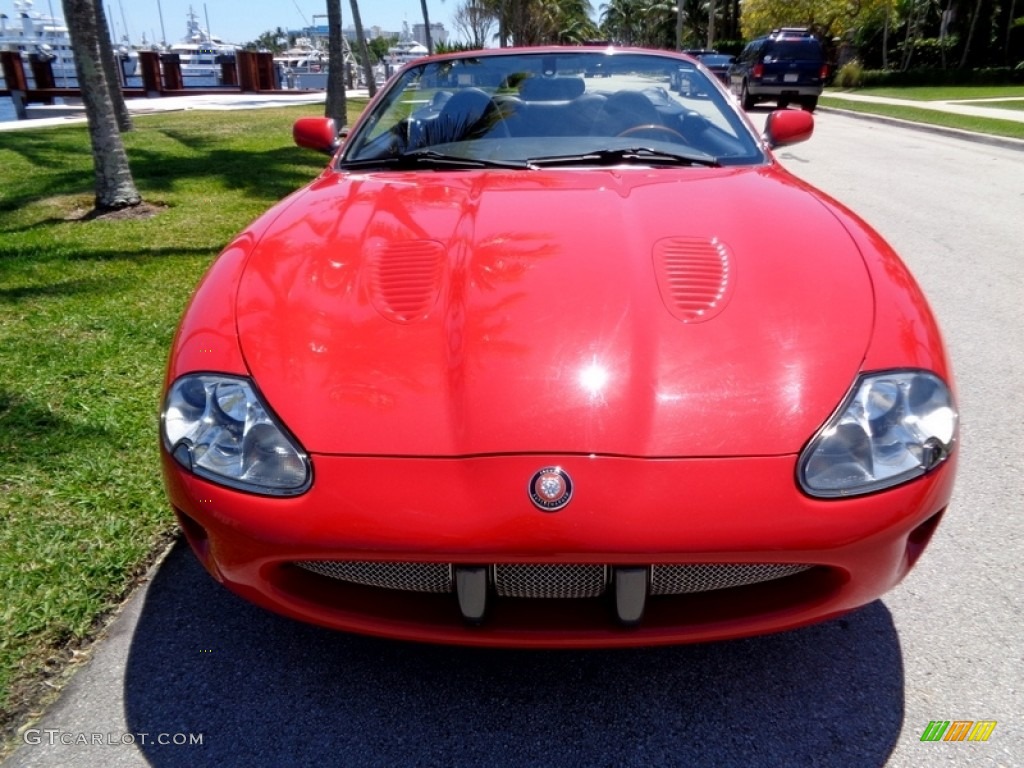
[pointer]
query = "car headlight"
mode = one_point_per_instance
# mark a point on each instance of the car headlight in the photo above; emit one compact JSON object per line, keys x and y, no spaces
{"x":215,"y":426}
{"x":893,"y":427}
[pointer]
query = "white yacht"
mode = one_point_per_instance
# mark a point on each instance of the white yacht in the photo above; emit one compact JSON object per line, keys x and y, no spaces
{"x":33,"y":33}
{"x":201,"y":53}
{"x":304,"y":65}
{"x":404,"y":51}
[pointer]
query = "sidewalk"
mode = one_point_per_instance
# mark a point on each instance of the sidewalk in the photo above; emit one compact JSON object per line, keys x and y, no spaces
{"x":971,"y":107}
{"x":42,"y":116}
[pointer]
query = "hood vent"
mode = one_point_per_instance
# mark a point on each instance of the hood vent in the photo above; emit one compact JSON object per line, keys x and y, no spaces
{"x":696,"y":276}
{"x":405,"y":278}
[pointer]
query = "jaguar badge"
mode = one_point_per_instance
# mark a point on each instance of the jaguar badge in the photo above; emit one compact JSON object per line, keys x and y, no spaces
{"x":550,"y":489}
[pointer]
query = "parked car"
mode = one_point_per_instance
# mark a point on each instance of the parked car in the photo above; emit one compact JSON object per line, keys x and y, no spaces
{"x":718,"y":64}
{"x":542,"y":362}
{"x":785,"y":66}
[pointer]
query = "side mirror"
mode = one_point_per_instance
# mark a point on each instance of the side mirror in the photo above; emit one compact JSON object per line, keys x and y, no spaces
{"x":318,"y":133}
{"x":787,"y":126}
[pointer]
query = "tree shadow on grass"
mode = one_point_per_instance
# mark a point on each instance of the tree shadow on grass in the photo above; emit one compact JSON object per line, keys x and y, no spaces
{"x":32,"y":433}
{"x":63,"y":289}
{"x":128,"y":253}
{"x":65,"y":164}
{"x":272,"y":174}
{"x":264,"y":690}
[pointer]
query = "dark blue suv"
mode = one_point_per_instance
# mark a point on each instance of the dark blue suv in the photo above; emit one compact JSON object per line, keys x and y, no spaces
{"x":786,"y":66}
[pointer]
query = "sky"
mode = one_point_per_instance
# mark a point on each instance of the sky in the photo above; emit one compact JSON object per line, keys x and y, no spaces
{"x":240,"y":21}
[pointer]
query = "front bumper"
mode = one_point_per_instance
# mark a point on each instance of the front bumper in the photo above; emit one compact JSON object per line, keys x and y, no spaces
{"x":626,"y":516}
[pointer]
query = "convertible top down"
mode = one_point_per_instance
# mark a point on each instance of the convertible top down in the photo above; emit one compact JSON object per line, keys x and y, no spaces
{"x":545,"y":360}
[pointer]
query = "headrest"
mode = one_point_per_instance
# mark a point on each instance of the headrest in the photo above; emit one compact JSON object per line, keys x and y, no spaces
{"x":551,"y":88}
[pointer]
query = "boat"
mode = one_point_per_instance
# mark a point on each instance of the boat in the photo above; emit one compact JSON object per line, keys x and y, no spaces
{"x":304,"y":65}
{"x":200,"y":53}
{"x":405,"y":50}
{"x":35,"y":34}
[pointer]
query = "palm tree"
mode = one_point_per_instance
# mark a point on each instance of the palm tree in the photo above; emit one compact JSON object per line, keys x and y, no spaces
{"x":426,"y":26}
{"x":568,"y":22}
{"x":115,"y":187}
{"x":620,"y":20}
{"x":335,"y":106}
{"x":364,"y":50}
{"x":124,"y":119}
{"x":970,"y":34}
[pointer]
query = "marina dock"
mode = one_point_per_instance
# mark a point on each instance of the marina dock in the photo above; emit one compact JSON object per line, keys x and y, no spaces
{"x":248,"y":72}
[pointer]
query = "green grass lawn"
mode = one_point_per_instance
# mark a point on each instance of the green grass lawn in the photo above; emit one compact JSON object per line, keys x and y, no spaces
{"x":87,"y":311}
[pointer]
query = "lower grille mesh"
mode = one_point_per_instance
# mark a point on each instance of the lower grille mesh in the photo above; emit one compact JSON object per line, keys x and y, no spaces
{"x":681,"y":579}
{"x":550,"y":580}
{"x":411,"y":577}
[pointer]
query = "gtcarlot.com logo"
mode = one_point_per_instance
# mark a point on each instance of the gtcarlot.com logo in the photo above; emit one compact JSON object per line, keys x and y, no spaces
{"x":958,"y":730}
{"x":52,"y":736}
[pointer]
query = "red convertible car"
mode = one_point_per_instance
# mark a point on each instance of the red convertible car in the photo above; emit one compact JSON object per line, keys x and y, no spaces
{"x":541,"y":360}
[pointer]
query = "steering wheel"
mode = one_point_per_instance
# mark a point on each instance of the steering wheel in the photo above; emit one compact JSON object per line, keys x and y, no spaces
{"x":653,"y":127}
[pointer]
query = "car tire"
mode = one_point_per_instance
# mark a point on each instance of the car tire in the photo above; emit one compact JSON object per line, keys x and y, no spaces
{"x":745,"y":98}
{"x":809,"y":103}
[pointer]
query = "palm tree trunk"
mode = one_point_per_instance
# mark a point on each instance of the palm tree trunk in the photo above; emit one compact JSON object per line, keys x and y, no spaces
{"x":426,"y":26}
{"x":970,"y":34}
{"x":124,"y":119}
{"x":1009,"y":27}
{"x":364,"y":49}
{"x":115,"y":187}
{"x":885,"y":35}
{"x":335,"y":106}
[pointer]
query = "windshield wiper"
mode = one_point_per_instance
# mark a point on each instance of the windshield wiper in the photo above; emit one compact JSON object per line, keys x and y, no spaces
{"x":429,"y":159}
{"x":643,"y":155}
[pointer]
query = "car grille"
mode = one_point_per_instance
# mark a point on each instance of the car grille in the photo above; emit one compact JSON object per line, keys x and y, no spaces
{"x":410,"y":577}
{"x":681,"y":579}
{"x":550,"y":580}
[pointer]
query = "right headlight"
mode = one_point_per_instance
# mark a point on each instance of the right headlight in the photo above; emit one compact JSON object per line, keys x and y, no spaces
{"x":216,"y":426}
{"x":893,"y":427}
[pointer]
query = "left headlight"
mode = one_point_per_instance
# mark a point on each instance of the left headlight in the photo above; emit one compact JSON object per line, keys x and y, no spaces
{"x":893,"y":427}
{"x":215,"y":426}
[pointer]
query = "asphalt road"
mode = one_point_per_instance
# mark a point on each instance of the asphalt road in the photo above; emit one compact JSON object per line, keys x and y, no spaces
{"x":188,"y":661}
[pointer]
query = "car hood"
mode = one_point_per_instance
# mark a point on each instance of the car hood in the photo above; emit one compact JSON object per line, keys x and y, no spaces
{"x":718,"y":312}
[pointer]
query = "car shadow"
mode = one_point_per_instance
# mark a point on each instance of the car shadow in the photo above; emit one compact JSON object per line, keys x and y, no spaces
{"x":265,"y":690}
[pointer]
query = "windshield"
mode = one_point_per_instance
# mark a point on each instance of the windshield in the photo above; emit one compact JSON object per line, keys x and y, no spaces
{"x":565,"y":107}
